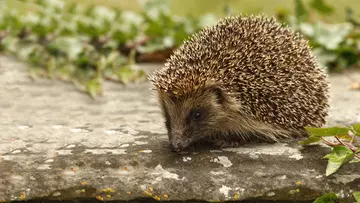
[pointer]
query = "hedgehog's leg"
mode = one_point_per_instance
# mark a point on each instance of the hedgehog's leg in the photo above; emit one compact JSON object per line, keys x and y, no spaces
{"x":237,"y":140}
{"x":228,"y":141}
{"x":223,"y":143}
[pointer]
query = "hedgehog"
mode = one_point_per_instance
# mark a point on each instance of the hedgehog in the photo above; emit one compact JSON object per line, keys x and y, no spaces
{"x":245,"y":78}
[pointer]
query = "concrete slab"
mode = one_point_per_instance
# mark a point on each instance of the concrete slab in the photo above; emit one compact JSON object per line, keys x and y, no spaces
{"x":57,"y":143}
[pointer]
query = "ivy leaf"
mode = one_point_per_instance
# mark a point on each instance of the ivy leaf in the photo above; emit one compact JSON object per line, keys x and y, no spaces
{"x":321,"y":6}
{"x":356,"y":129}
{"x":339,"y":156}
{"x":300,"y":10}
{"x":327,"y":198}
{"x":103,"y":12}
{"x":357,"y":196}
{"x":355,"y":161}
{"x":311,"y":139}
{"x":330,"y":36}
{"x":332,"y":131}
{"x":207,"y":20}
{"x":93,"y":87}
{"x":54,"y":4}
{"x":70,"y":46}
{"x":126,"y":74}
{"x":345,"y":137}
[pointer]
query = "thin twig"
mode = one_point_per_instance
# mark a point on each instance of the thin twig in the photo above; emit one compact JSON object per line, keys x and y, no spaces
{"x":351,"y":147}
{"x":348,"y":145}
{"x":332,"y":144}
{"x":352,"y":134}
{"x":352,"y":138}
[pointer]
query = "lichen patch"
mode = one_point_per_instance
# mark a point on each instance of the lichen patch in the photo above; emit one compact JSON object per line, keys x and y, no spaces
{"x":49,"y":161}
{"x":105,"y":151}
{"x":23,"y":127}
{"x":217,"y":172}
{"x":70,"y":146}
{"x":225,"y":191}
{"x":146,"y":151}
{"x":267,"y":149}
{"x":186,"y":159}
{"x":64,"y":152}
{"x":161,"y":173}
{"x":44,"y":167}
{"x":223,"y":160}
{"x":56,"y":127}
{"x":124,"y":145}
{"x":140,"y":143}
{"x":345,"y":179}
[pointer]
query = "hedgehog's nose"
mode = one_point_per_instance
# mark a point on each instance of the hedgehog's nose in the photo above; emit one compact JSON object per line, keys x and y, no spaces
{"x":176,"y":145}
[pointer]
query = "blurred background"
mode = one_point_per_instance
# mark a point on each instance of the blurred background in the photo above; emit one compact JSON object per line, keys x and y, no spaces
{"x":89,"y":41}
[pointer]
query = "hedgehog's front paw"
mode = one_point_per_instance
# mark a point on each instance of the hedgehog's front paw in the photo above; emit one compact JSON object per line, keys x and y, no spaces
{"x":228,"y":143}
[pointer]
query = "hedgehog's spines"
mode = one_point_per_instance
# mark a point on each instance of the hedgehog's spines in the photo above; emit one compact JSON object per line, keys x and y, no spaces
{"x":267,"y":67}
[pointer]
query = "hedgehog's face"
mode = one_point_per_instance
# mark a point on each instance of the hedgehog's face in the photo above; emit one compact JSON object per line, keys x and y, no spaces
{"x":193,"y":117}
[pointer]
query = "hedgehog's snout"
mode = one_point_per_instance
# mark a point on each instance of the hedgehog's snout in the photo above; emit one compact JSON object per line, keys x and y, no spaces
{"x":177,"y":144}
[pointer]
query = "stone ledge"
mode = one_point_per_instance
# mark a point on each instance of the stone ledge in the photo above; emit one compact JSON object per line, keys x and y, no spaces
{"x":57,"y":144}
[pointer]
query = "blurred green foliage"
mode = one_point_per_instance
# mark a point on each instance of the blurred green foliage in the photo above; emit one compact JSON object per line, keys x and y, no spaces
{"x":337,"y":46}
{"x":87,"y":45}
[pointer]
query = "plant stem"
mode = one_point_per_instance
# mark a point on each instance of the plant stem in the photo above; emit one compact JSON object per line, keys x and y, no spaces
{"x":332,"y":144}
{"x":352,"y":139}
{"x":349,"y":146}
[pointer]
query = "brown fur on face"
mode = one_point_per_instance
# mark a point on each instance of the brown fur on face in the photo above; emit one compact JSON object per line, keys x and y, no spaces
{"x":209,"y":114}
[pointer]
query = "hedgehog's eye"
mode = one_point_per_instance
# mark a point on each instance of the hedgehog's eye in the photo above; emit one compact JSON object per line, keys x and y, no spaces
{"x":197,"y":114}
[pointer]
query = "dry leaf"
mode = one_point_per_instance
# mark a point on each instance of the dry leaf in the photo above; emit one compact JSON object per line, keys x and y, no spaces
{"x":355,"y":86}
{"x":108,"y":190}
{"x":148,"y":193}
{"x":22,"y":196}
{"x":100,"y":198}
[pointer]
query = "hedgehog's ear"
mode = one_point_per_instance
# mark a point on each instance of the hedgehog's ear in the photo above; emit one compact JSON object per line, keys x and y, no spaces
{"x":219,"y":93}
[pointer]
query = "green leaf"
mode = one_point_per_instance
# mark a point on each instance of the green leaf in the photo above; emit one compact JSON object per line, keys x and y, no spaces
{"x":331,"y":36}
{"x":356,"y":129}
{"x":355,"y":160}
{"x":327,"y":198}
{"x":321,"y":6}
{"x":332,"y":131}
{"x":207,"y":20}
{"x":339,"y":156}
{"x":127,"y":74}
{"x":93,"y":87}
{"x":357,"y":196}
{"x":345,"y":137}
{"x":52,"y":4}
{"x":311,"y":139}
{"x":69,"y":46}
{"x":301,"y":12}
{"x":103,"y":12}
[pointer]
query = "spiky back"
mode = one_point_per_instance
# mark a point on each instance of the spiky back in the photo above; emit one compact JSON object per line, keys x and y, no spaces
{"x":266,"y":66}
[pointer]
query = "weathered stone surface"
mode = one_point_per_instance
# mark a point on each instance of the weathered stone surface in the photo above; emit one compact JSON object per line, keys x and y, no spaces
{"x":57,"y":143}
